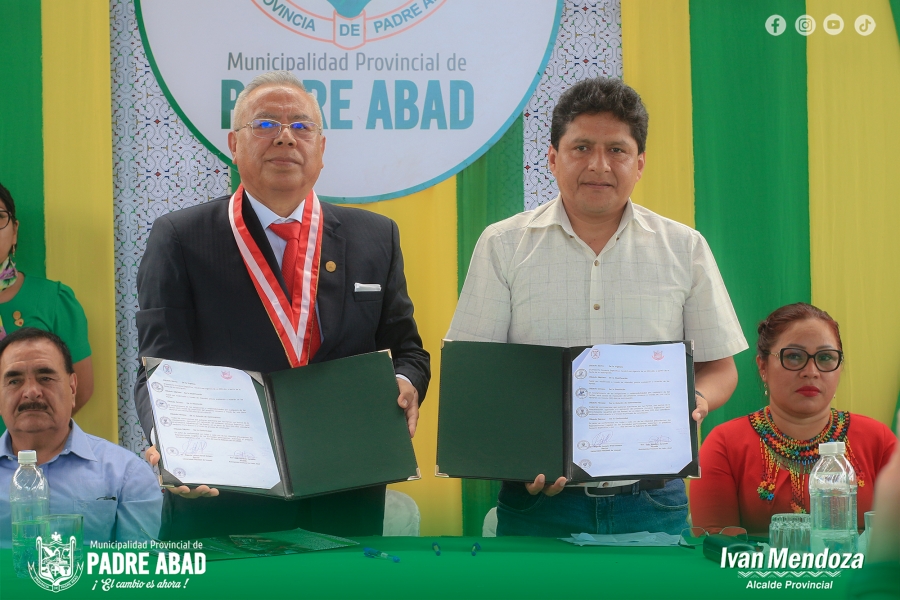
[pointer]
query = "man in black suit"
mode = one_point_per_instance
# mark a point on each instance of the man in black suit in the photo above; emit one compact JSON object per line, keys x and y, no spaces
{"x":269,"y":279}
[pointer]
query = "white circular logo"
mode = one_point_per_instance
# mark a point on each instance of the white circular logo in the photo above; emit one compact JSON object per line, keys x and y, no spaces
{"x":411,"y":91}
{"x":805,"y":25}
{"x":864,"y":25}
{"x":775,"y":25}
{"x":833,"y":24}
{"x":59,"y":565}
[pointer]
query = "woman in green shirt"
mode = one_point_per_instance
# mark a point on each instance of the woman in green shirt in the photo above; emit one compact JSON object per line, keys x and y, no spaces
{"x":37,"y":302}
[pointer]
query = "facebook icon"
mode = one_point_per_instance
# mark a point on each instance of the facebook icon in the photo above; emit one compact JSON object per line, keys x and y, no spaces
{"x":775,"y":25}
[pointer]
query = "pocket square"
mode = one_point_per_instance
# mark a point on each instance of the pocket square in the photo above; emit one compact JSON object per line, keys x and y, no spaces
{"x":366,"y":287}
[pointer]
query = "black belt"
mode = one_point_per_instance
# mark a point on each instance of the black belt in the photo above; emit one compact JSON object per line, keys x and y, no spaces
{"x":643,"y":484}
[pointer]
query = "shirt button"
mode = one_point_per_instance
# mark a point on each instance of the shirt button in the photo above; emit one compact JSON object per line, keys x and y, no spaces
{"x":596,"y":307}
{"x":596,"y":263}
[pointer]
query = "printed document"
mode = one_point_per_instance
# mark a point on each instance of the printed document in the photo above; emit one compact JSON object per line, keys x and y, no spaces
{"x":210,"y":426}
{"x":630,"y":412}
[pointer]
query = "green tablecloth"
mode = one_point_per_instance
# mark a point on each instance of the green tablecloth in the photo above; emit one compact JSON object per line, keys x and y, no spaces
{"x":504,"y":568}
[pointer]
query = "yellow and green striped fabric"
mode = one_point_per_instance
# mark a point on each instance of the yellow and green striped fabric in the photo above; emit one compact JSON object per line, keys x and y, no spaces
{"x":56,"y":159}
{"x":793,"y":143}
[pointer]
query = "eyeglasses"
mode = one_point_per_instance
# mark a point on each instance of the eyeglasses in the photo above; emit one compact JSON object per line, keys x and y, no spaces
{"x":795,"y":359}
{"x":694,"y":536}
{"x":270,"y":129}
{"x":5,"y":218}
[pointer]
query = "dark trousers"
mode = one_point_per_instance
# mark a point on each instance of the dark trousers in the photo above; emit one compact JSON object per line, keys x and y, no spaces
{"x":571,"y":511}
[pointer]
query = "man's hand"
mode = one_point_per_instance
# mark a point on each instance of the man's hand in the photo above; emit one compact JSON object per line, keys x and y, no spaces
{"x":716,"y":380}
{"x":203,"y":491}
{"x":702,"y":409}
{"x":550,"y":490}
{"x":409,"y":402}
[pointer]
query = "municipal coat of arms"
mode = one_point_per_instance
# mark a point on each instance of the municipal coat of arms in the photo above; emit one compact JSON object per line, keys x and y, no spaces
{"x":58,"y":568}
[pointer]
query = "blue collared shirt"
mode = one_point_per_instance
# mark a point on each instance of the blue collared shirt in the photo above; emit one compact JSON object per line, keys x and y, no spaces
{"x":116,"y":491}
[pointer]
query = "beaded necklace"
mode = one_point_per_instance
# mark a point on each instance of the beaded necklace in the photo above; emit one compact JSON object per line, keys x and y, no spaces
{"x":797,"y":456}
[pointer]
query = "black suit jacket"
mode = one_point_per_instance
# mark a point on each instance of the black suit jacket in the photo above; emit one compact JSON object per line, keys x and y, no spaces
{"x":198,"y":304}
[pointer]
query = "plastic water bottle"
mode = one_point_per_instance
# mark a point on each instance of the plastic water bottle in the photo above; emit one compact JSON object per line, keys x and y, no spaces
{"x":832,"y":501}
{"x":29,"y":500}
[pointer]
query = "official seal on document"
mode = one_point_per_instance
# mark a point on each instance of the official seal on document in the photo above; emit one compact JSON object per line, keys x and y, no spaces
{"x":581,"y":411}
{"x":580,"y":374}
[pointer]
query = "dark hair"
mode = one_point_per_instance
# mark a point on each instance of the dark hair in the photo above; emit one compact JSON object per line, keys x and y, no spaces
{"x":8,"y":201}
{"x":775,"y":324}
{"x":27,"y":334}
{"x":600,"y":95}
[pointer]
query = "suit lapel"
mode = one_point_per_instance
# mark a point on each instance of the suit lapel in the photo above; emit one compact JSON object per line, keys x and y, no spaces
{"x":259,"y":236}
{"x":330,"y":294}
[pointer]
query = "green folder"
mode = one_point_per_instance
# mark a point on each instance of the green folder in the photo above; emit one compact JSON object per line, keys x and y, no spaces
{"x":505,"y":413}
{"x":333,"y":426}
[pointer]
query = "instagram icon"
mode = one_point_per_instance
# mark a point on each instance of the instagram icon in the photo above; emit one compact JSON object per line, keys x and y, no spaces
{"x":805,"y":25}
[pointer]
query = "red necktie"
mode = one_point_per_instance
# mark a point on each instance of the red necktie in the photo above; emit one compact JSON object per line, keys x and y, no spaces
{"x":290,"y":232}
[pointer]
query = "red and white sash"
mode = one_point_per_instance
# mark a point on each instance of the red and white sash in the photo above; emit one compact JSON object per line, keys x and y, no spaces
{"x":293,"y":321}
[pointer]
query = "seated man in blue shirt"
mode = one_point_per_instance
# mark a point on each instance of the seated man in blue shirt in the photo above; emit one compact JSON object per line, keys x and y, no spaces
{"x":117,"y":492}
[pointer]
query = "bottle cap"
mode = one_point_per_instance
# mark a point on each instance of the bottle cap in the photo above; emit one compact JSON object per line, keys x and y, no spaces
{"x":27,"y":457}
{"x":832,"y":448}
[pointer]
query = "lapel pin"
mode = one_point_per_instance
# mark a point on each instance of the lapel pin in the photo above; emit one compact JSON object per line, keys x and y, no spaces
{"x":330,"y":266}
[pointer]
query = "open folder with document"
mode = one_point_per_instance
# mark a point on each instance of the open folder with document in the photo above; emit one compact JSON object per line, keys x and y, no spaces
{"x":605,"y":412}
{"x":301,"y":432}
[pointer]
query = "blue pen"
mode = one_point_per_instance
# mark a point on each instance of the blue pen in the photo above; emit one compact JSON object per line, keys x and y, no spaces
{"x":436,"y":548}
{"x":475,"y":548}
{"x":373,"y":553}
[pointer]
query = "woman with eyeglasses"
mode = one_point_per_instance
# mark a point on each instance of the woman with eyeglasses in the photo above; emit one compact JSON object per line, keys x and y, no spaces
{"x":756,"y":466}
{"x":31,"y":301}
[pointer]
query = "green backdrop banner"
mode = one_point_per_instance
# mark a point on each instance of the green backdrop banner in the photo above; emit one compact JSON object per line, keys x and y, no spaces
{"x":21,"y":127}
{"x":21,"y":130}
{"x":895,"y":10}
{"x":489,"y":190}
{"x":751,"y":165}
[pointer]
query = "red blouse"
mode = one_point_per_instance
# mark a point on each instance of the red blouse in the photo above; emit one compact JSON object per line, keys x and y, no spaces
{"x":731,"y":469}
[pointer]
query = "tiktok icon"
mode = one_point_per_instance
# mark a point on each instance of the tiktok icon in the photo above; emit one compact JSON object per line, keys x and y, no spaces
{"x":864,"y":25}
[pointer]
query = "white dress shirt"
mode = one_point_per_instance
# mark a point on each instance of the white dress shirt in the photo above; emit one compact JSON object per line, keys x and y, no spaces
{"x":267,"y":217}
{"x":533,"y":281}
